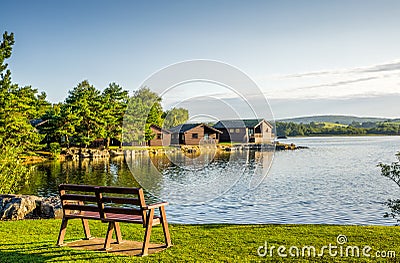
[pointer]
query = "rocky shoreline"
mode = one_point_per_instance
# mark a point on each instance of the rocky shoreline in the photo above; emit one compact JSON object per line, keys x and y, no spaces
{"x":96,"y":153}
{"x":18,"y":207}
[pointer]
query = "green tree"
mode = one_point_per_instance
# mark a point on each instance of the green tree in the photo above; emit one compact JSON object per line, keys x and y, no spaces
{"x":155,"y":115}
{"x":175,"y":117}
{"x":115,"y":102}
{"x":13,"y":174}
{"x":392,"y":171}
{"x":42,"y":105}
{"x":16,"y":133}
{"x":54,"y":126}
{"x":82,"y":113}
{"x":144,"y":108}
{"x":18,"y":105}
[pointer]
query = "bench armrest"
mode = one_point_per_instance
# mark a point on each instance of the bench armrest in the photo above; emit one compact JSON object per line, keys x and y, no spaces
{"x":152,"y":206}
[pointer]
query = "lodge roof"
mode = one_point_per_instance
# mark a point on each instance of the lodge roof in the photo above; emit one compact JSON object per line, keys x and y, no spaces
{"x":188,"y":126}
{"x":238,"y":123}
{"x":159,"y":128}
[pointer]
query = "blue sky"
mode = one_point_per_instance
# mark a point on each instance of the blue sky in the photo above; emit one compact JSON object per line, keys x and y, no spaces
{"x":307,"y":57}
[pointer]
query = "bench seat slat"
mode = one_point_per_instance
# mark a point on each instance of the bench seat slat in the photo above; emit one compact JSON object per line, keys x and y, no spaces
{"x":85,"y":215}
{"x":78,"y":197}
{"x":121,"y":200}
{"x":129,"y":218}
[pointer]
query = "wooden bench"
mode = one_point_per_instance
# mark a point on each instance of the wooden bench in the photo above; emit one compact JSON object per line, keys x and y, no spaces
{"x":110,"y":205}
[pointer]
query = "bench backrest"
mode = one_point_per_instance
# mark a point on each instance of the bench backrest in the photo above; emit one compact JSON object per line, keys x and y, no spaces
{"x":109,"y":196}
{"x":78,"y":198}
{"x":103,"y":200}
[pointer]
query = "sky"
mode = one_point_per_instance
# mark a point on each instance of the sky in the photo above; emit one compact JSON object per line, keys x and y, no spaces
{"x":307,"y":57}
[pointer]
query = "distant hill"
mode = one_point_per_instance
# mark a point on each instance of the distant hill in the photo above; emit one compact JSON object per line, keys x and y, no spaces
{"x":342,"y":119}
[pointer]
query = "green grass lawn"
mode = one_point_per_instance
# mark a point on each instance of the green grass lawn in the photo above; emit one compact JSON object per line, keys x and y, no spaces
{"x":34,"y":241}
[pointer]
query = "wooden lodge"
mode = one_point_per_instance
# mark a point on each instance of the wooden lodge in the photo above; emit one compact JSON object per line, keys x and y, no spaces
{"x":193,"y":134}
{"x":245,"y":131}
{"x":162,"y":137}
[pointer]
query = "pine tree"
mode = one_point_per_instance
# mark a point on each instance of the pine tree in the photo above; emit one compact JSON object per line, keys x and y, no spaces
{"x":144,"y":108}
{"x":18,"y":106}
{"x":175,"y":117}
{"x":82,"y":114}
{"x":115,"y":101}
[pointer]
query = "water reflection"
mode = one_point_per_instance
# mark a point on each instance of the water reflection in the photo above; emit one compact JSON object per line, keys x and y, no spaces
{"x":157,"y":173}
{"x":262,"y":162}
{"x":47,"y":176}
{"x":168,"y":177}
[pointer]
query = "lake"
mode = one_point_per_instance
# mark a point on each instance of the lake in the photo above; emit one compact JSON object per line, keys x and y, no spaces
{"x":335,"y":181}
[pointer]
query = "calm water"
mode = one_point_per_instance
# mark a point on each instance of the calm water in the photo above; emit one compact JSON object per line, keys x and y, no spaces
{"x":335,"y":181}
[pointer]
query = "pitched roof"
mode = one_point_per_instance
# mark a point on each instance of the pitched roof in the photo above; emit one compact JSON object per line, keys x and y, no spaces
{"x":228,"y":124}
{"x":183,"y":127}
{"x":188,"y":126}
{"x":37,"y":122}
{"x":159,"y":128}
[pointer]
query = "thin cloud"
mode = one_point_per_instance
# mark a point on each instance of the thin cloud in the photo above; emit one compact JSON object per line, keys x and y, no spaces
{"x":313,"y":74}
{"x":336,"y":84}
{"x":390,"y":66}
{"x":384,"y":67}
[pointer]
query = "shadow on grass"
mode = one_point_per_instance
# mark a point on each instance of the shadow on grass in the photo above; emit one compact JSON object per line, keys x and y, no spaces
{"x":43,"y":252}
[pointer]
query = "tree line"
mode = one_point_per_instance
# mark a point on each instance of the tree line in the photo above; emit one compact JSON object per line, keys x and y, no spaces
{"x":17,"y":106}
{"x":320,"y":129}
{"x":28,"y":122}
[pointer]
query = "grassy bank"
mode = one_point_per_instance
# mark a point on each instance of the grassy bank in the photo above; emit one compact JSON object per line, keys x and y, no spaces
{"x":34,"y":241}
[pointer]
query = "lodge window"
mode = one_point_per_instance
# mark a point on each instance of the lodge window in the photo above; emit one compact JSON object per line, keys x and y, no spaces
{"x":237,"y":130}
{"x":195,"y":135}
{"x":231,"y":130}
{"x":159,"y":136}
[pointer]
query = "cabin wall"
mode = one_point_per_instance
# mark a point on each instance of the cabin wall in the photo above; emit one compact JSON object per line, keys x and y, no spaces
{"x":175,"y":138}
{"x":265,"y":134}
{"x":189,"y":140}
{"x":194,"y":136}
{"x":233,"y":135}
{"x":224,"y":137}
{"x":262,"y":134}
{"x":160,"y":138}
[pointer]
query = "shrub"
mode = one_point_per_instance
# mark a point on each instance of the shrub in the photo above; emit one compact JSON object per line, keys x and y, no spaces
{"x":13,"y":174}
{"x":392,"y":171}
{"x":55,"y":149}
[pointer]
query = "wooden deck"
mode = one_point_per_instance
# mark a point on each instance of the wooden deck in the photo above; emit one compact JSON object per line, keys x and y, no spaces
{"x":126,"y":248}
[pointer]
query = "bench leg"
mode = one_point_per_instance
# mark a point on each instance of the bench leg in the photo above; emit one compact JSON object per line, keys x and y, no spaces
{"x":149,"y":226}
{"x":63,"y":229}
{"x":164,"y":224}
{"x":118,"y":232}
{"x":86,"y":228}
{"x":107,"y":244}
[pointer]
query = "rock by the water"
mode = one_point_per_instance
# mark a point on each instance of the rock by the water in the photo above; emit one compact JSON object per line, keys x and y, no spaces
{"x":17,"y":207}
{"x":50,"y":208}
